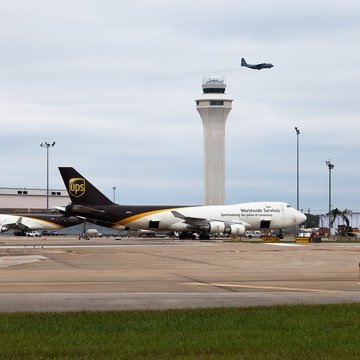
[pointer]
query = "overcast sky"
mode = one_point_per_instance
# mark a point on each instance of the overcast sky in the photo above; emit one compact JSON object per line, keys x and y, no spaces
{"x":114,"y":83}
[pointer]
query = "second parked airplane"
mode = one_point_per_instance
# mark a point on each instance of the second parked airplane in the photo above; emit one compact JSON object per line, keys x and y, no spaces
{"x":23,"y":223}
{"x":90,"y":203}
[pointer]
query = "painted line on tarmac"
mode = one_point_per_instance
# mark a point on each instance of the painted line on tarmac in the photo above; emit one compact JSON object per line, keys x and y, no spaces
{"x":70,"y":246}
{"x":282,"y":244}
{"x":264,"y":287}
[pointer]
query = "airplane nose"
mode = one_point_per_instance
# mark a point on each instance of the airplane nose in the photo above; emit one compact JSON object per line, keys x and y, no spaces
{"x":300,"y":218}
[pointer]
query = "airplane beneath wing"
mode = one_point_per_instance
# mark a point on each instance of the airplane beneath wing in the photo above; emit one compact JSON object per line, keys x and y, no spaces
{"x":22,"y":223}
{"x":89,"y":202}
{"x":256,"y":66}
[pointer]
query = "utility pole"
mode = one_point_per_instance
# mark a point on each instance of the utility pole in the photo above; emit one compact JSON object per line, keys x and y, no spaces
{"x":297,"y":168}
{"x":330,"y":166}
{"x":114,"y":189}
{"x":47,"y":145}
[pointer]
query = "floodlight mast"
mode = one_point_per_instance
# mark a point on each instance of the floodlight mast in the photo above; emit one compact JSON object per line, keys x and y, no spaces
{"x":297,"y":169}
{"x":114,"y":193}
{"x":47,"y":145}
{"x":330,"y":167}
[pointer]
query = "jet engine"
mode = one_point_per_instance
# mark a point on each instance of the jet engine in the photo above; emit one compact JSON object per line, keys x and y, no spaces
{"x":220,"y":227}
{"x":215,"y":227}
{"x":235,"y":229}
{"x":3,"y":229}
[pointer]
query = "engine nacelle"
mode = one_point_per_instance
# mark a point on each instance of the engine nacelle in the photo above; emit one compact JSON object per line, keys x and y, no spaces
{"x":235,"y":229}
{"x":3,"y":229}
{"x":215,"y":227}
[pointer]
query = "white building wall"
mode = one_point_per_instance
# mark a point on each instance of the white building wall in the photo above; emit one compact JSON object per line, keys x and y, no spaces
{"x":25,"y":199}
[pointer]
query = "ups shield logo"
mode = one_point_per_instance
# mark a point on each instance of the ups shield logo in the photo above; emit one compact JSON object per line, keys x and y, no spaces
{"x":77,"y":187}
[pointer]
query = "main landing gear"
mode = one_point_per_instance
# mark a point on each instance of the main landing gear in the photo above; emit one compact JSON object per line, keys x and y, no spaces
{"x":185,"y":235}
{"x":204,"y":237}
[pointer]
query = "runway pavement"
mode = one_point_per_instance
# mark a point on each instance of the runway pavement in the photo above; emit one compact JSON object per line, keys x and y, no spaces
{"x":65,"y":274}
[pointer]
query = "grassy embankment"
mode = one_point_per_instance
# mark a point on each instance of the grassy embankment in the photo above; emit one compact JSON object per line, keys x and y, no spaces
{"x":283,"y":332}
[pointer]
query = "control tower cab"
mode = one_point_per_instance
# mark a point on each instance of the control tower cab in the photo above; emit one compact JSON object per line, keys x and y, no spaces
{"x":214,"y":106}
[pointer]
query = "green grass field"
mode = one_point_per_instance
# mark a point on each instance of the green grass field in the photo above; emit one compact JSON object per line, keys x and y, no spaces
{"x":282,"y":332}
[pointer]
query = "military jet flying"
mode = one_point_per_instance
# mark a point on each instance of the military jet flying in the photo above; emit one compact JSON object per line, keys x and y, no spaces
{"x":256,"y":66}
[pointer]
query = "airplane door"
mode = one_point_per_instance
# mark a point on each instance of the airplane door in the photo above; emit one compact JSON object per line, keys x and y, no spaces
{"x":153,"y":225}
{"x":265,"y":224}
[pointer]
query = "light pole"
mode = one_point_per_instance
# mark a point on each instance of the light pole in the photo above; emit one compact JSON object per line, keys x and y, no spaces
{"x":47,"y":146}
{"x":297,"y":167}
{"x":330,"y":166}
{"x":114,"y":188}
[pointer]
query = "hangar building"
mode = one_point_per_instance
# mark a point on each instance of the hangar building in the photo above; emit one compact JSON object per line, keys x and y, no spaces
{"x":20,"y":200}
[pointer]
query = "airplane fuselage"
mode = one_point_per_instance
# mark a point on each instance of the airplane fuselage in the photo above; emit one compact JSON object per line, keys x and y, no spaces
{"x":254,"y":215}
{"x":35,"y":222}
{"x":259,"y":66}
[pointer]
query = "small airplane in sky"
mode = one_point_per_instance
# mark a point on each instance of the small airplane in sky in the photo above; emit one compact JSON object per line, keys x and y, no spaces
{"x":256,"y":66}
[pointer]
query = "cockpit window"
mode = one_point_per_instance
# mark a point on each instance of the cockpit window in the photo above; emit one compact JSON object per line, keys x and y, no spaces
{"x":287,"y":205}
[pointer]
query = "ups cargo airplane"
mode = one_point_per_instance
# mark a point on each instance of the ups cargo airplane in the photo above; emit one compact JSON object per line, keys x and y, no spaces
{"x":22,"y":223}
{"x":90,"y":203}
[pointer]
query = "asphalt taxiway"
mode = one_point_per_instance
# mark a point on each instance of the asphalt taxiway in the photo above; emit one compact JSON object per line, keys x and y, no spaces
{"x":65,"y":274}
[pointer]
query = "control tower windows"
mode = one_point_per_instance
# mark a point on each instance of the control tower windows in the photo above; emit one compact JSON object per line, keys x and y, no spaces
{"x":216,"y":102}
{"x":214,"y":90}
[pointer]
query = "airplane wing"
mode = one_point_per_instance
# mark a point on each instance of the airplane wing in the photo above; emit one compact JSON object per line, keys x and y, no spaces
{"x":87,"y":214}
{"x":86,"y":210}
{"x":18,"y":225}
{"x":61,"y":209}
{"x":190,"y":220}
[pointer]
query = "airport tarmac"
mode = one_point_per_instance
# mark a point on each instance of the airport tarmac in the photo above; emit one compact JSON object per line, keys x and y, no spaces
{"x":65,"y":274}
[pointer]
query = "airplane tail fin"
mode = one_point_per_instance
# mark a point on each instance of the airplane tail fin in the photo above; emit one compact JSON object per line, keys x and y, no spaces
{"x":243,"y":62}
{"x":80,"y":190}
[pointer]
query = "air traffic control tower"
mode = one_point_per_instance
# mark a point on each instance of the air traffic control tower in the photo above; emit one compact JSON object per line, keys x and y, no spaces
{"x":214,"y":106}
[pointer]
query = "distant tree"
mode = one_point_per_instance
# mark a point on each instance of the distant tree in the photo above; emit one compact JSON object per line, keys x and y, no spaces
{"x":312,"y":221}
